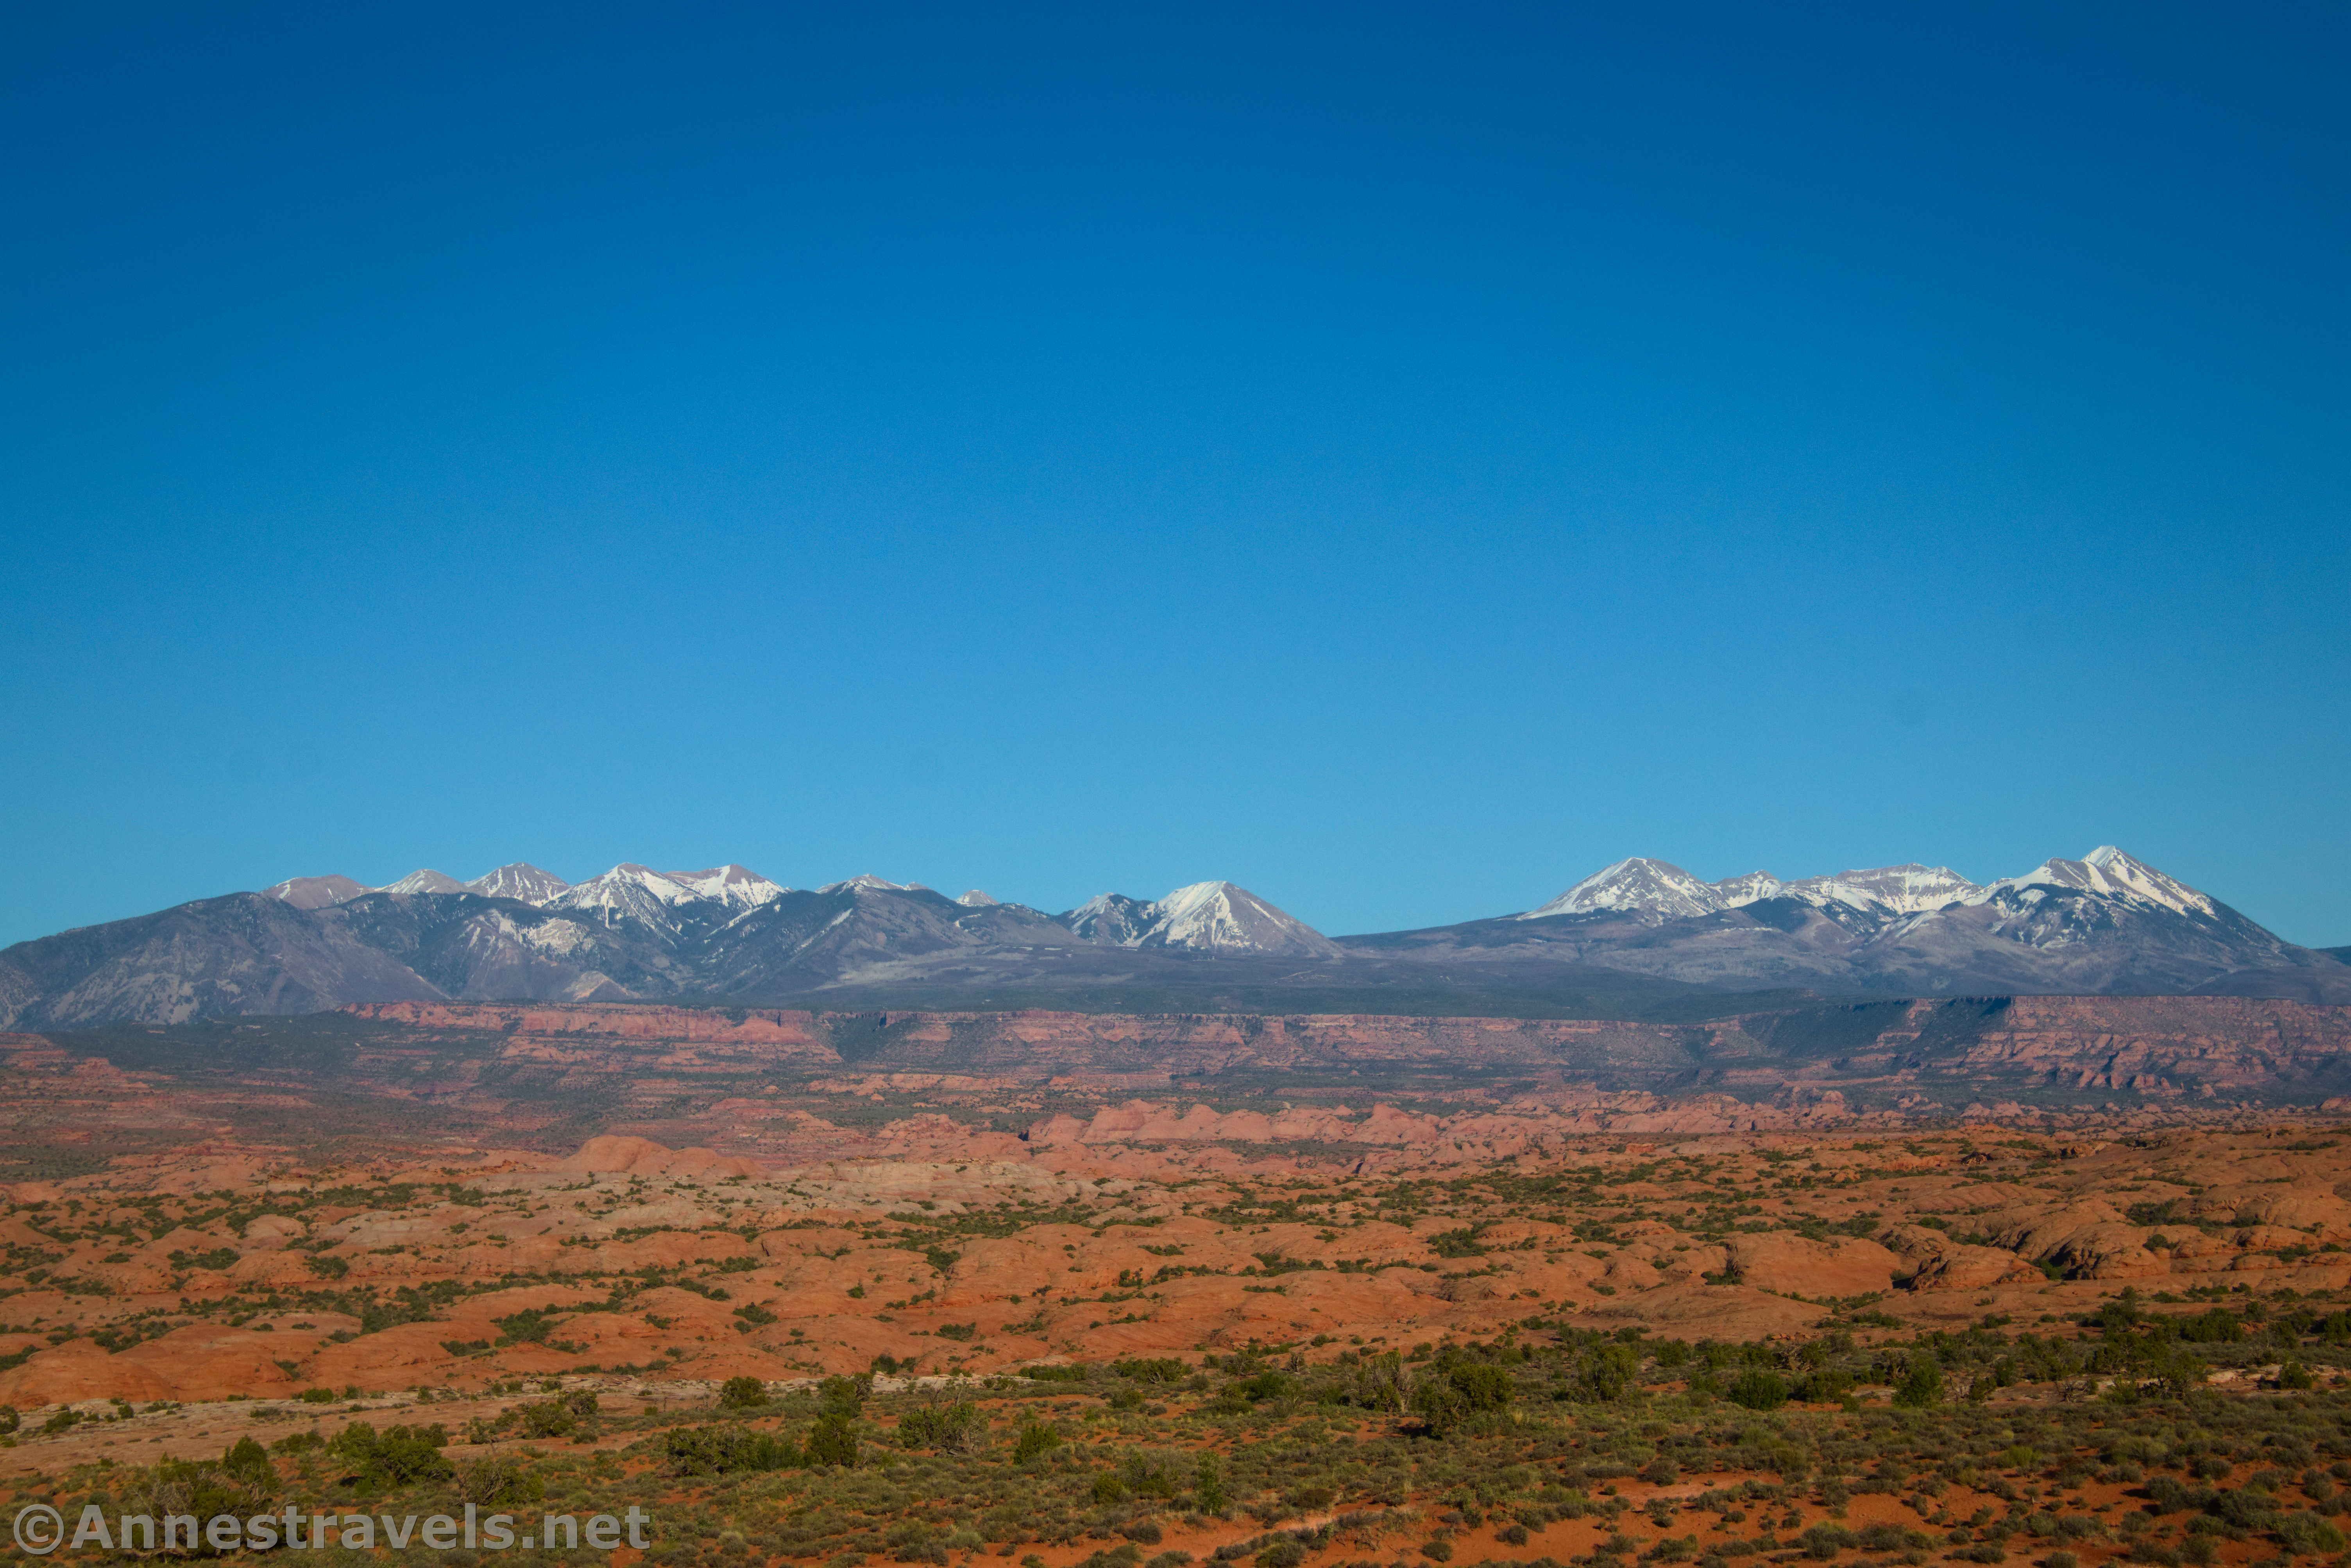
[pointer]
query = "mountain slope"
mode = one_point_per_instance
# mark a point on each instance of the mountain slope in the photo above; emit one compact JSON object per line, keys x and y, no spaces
{"x":1207,"y":917}
{"x":2107,"y":922}
{"x":1639,"y":933}
{"x":520,"y":881}
{"x":242,"y":953}
{"x":313,"y":892}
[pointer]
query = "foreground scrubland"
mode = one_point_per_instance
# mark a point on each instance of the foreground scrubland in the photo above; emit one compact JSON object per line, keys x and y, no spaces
{"x":890,"y":1320}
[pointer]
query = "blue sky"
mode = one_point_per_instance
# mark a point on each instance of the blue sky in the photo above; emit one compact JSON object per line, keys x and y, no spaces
{"x":1399,"y":459}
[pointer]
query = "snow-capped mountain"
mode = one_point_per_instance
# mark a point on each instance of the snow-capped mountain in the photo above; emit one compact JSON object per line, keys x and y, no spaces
{"x":1207,"y":916}
{"x":519,"y":880}
{"x":423,"y":880}
{"x":866,"y":881}
{"x":634,"y":894}
{"x":315,"y":891}
{"x":730,"y":885}
{"x":1659,"y":890}
{"x":2108,"y":873}
{"x":1637,"y":886}
{"x":1111,"y":919}
{"x":2106,"y":922}
{"x":1910,"y":889}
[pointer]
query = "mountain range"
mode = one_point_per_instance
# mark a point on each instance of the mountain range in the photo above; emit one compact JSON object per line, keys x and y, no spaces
{"x":1637,"y":934}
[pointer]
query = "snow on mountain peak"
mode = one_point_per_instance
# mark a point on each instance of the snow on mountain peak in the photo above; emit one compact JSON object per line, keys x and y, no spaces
{"x":1910,"y":889}
{"x":733,"y":885}
{"x":1209,"y":916}
{"x":2111,"y":873}
{"x":1221,"y":917}
{"x":866,"y":881}
{"x":629,"y":892}
{"x":1657,"y":891}
{"x":423,"y":881}
{"x":316,"y":891}
{"x":518,"y":880}
{"x":1749,"y":888}
{"x":975,"y":899}
{"x":1638,"y":885}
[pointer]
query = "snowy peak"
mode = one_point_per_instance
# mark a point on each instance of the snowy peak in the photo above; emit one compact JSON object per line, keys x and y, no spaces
{"x":1898,"y":889}
{"x":315,"y":891}
{"x":1637,"y":886}
{"x":1657,"y":890}
{"x":518,"y":880}
{"x":1755,"y":886}
{"x":975,"y":899}
{"x":732,"y":885}
{"x":866,"y":881}
{"x":1112,"y":919}
{"x":629,"y":893}
{"x":1207,"y":916}
{"x":1219,"y":917}
{"x":2110,"y":873}
{"x":424,"y":881}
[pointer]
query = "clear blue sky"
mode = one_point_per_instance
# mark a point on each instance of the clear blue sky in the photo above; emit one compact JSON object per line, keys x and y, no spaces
{"x":1399,"y":459}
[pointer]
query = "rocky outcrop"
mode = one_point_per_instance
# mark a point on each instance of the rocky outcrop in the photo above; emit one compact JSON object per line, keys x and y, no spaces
{"x":1792,"y":1265}
{"x":1931,"y":1260}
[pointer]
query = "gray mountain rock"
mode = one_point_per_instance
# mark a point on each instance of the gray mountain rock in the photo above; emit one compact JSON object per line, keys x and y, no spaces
{"x":1642,"y":933}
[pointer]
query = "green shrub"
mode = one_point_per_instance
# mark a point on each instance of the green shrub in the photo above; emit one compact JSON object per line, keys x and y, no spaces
{"x":249,"y":1461}
{"x":1822,"y":1541}
{"x":2305,"y":1534}
{"x":1607,"y":1373}
{"x":1483,"y":1387}
{"x":727,"y":1449}
{"x":1757,"y":1389}
{"x":1156,"y":1369}
{"x":496,"y":1480}
{"x":529,"y":1326}
{"x":832,"y":1440}
{"x":844,"y":1396}
{"x":955,"y":1428}
{"x":742,"y":1392}
{"x":1036,"y":1439}
{"x":202,"y":1491}
{"x":1208,"y":1492}
{"x":1265,"y":1386}
{"x":395,"y":1457}
{"x":1921,"y":1386}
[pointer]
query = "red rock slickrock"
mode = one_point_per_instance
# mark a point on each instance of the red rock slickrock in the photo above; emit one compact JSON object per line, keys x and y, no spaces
{"x":1148,"y":1226}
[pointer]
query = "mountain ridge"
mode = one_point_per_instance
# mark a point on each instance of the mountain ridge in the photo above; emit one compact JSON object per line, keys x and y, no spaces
{"x":2106,"y":923}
